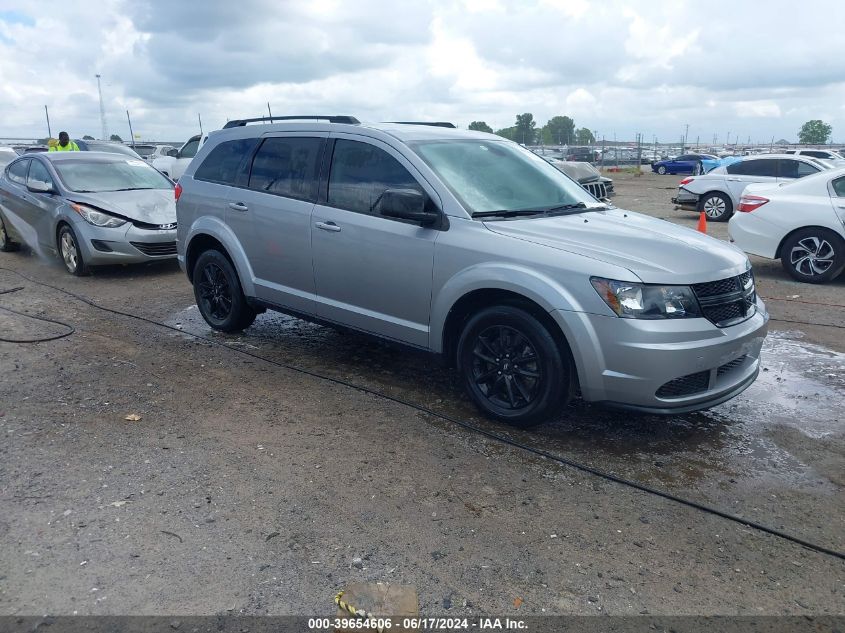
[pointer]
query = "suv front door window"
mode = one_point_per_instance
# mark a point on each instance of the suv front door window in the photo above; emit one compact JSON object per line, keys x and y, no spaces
{"x":372,"y":272}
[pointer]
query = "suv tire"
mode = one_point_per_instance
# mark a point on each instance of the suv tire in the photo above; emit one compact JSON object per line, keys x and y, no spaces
{"x":512,"y":367}
{"x":716,"y":206}
{"x":218,"y":293}
{"x":813,"y":255}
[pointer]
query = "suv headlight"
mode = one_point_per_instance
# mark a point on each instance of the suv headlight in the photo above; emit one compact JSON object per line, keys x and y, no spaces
{"x":645,"y":301}
{"x":97,"y":218}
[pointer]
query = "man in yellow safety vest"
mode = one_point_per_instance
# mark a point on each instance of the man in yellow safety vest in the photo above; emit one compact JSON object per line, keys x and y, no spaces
{"x":64,"y":144}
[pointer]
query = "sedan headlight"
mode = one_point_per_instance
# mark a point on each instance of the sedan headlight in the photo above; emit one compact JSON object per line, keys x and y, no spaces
{"x":645,"y":301}
{"x":98,"y":218}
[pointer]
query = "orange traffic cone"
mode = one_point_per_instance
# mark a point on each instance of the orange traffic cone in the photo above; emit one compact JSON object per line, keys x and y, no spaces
{"x":702,"y":222}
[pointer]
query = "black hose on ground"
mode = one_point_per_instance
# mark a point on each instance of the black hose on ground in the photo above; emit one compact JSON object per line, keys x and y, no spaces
{"x":44,"y":339}
{"x":467,"y":425}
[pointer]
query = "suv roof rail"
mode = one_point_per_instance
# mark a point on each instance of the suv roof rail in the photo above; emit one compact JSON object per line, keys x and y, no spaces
{"x":429,"y":123}
{"x":330,"y":118}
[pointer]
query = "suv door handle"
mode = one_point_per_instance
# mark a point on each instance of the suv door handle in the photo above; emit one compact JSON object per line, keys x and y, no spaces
{"x":327,"y":226}
{"x":734,"y":179}
{"x":238,"y":206}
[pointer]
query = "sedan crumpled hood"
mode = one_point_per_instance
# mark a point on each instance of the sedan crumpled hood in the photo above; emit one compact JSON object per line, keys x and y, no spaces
{"x":152,"y":206}
{"x":654,"y":250}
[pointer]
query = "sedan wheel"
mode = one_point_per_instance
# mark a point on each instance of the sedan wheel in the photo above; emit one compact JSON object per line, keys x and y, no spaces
{"x":70,"y":253}
{"x":661,"y":170}
{"x":6,"y":245}
{"x":813,"y":255}
{"x":716,"y":206}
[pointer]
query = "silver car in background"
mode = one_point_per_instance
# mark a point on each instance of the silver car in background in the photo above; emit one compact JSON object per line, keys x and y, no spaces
{"x":473,"y":248}
{"x":90,"y":208}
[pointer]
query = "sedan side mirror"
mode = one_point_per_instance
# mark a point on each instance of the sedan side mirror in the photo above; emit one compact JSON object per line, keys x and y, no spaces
{"x":406,"y":204}
{"x":37,"y":186}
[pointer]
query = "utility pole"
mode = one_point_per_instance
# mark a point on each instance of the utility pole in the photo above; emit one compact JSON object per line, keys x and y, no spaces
{"x":105,"y":130}
{"x":131,"y":134}
{"x":686,"y":133}
{"x":199,"y":118}
{"x":727,"y":140}
{"x":49,"y":132}
{"x":269,"y":112}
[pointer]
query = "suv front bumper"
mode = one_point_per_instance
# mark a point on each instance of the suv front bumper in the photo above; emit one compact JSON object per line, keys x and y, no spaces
{"x":663,"y":366}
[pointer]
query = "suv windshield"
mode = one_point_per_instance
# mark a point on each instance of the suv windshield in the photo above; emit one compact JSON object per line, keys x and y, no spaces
{"x":490,"y":177}
{"x":119,"y":175}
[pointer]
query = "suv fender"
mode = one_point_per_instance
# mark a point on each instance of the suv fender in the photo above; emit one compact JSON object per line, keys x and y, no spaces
{"x":220,"y":231}
{"x":518,"y":280}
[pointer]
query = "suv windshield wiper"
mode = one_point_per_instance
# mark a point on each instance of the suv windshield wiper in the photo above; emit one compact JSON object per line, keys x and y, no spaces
{"x":573,"y":207}
{"x":507,"y":213}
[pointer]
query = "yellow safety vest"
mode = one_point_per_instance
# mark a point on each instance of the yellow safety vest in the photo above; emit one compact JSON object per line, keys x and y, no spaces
{"x":70,"y":147}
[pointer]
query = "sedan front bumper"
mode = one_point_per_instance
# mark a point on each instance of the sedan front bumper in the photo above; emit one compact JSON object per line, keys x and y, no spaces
{"x":127,"y":244}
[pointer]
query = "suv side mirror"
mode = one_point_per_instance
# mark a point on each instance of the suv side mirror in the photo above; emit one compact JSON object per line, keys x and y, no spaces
{"x":38,"y":186}
{"x":173,"y":153}
{"x":406,"y":204}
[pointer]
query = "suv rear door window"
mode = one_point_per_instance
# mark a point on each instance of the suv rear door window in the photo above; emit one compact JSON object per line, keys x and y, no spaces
{"x":287,"y":166}
{"x":223,"y":163}
{"x":361,"y":173}
{"x":795,"y":168}
{"x":17,"y":171}
{"x":754,"y":168}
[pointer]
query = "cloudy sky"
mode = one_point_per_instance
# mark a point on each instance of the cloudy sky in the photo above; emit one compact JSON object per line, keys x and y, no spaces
{"x":748,"y":68}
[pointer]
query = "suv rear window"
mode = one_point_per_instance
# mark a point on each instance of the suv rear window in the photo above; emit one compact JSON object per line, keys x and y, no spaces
{"x":361,"y":173}
{"x":754,"y":168}
{"x":222,"y":165}
{"x":287,"y":166}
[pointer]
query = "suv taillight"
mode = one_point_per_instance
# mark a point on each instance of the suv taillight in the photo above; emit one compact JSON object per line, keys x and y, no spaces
{"x":749,"y":203}
{"x":686,"y":180}
{"x":177,"y":191}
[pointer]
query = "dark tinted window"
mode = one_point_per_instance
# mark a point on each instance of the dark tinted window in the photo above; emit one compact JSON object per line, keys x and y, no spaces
{"x":223,"y":163}
{"x":39,"y":173}
{"x":816,"y":154}
{"x":795,"y":168}
{"x":287,"y":167}
{"x":17,"y":171}
{"x":361,"y":173}
{"x":190,"y":149}
{"x":754,"y":168}
{"x":687,"y":157}
{"x":839,"y":187}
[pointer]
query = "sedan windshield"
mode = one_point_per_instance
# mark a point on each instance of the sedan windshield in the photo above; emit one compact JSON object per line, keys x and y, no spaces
{"x":84,"y":176}
{"x":499,"y":177}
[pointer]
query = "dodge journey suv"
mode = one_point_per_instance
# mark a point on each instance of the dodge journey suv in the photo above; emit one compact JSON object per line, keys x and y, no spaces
{"x":475,"y":249}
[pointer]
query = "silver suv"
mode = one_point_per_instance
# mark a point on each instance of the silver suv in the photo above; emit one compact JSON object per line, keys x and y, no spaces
{"x":471,"y":247}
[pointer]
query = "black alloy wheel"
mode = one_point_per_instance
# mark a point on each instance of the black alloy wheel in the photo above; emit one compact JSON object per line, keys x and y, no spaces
{"x":512,"y":367}
{"x":218,"y":294}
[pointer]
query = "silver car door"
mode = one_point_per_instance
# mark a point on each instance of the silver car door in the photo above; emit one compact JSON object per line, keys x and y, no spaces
{"x":15,"y":200}
{"x":41,"y":205}
{"x":372,"y":272}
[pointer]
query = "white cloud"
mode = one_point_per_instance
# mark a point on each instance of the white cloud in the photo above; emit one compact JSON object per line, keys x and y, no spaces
{"x":764,"y":109}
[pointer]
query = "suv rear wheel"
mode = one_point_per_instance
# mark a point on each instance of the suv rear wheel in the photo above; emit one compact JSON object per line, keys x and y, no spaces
{"x":217,"y":290}
{"x":512,"y":367}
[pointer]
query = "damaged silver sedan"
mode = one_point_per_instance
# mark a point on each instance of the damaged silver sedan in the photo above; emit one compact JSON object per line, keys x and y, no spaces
{"x":89,"y":208}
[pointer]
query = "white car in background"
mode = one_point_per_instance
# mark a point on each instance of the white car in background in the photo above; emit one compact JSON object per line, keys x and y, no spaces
{"x":817,"y":153}
{"x":717,"y":192}
{"x":802,"y":223}
{"x":174,"y":163}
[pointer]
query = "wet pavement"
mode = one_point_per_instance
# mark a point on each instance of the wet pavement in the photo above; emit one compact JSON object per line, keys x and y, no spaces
{"x":781,"y":442}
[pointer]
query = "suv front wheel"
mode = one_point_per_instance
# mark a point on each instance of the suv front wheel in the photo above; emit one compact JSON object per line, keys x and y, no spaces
{"x":217,"y":290}
{"x":512,"y":367}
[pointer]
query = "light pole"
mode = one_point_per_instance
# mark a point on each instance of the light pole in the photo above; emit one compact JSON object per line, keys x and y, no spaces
{"x":104,"y":131}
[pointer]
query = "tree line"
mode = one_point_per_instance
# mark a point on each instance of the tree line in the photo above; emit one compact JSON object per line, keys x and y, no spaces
{"x":560,"y":130}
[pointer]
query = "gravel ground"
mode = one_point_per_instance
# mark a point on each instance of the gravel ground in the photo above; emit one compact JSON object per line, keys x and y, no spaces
{"x":249,"y":488}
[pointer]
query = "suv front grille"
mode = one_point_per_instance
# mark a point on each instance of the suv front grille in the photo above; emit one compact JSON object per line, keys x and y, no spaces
{"x":597,"y":189}
{"x":155,"y":249}
{"x":729,"y":367}
{"x":685,"y":385}
{"x":726,"y":302}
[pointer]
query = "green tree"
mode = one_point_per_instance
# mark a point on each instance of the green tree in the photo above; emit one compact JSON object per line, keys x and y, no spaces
{"x":815,"y":132}
{"x":583,"y":136}
{"x":525,"y":128}
{"x":480,"y":126}
{"x":115,"y":137}
{"x":87,"y":137}
{"x":508,"y":133}
{"x":559,"y":130}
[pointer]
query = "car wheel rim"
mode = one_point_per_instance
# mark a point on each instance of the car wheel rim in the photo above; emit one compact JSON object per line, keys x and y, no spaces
{"x":812,"y":256}
{"x":506,"y":368}
{"x":69,"y":251}
{"x":714,"y":207}
{"x":215,"y":292}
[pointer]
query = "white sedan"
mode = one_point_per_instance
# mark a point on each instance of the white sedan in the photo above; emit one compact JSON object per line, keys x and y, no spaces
{"x":802,"y":223}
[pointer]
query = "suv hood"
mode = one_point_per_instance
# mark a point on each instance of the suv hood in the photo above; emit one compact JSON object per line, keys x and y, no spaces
{"x":152,"y":206}
{"x":654,"y":250}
